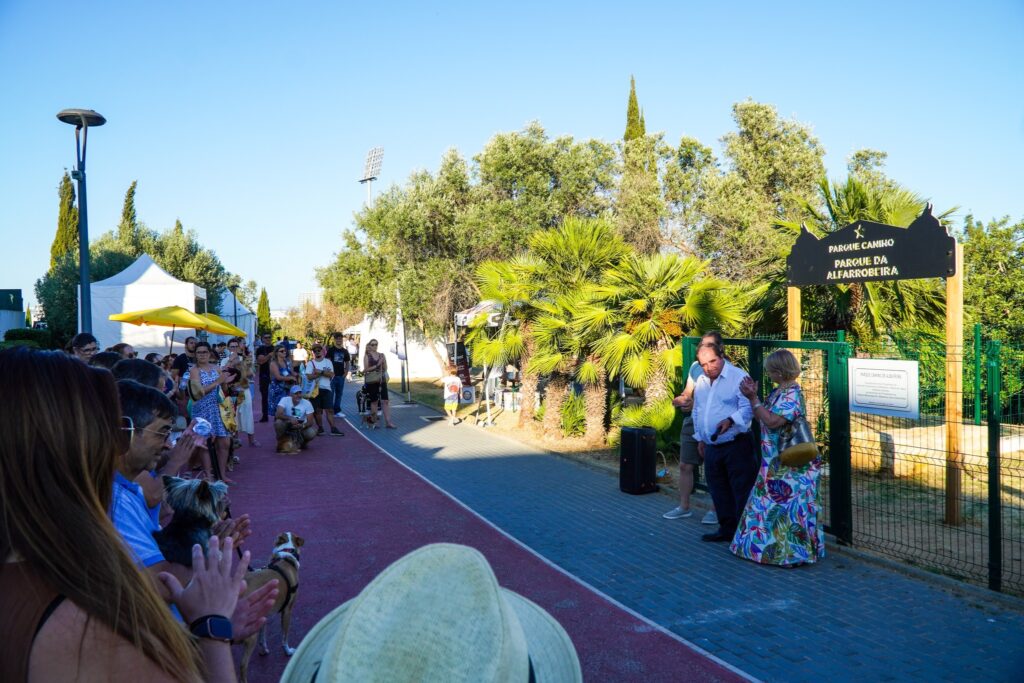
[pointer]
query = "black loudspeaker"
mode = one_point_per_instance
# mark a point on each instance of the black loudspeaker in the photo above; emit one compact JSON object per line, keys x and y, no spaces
{"x":638,"y":460}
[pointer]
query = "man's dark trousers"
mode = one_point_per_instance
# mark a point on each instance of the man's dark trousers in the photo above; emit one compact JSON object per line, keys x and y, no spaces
{"x":264,"y":396}
{"x":730,"y":469}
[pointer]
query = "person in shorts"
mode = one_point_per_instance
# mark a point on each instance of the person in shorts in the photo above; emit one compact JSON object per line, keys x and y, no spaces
{"x":320,"y":371}
{"x":452,"y":387}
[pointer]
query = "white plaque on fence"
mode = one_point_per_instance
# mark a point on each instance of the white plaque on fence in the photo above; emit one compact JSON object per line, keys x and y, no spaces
{"x":884,"y":387}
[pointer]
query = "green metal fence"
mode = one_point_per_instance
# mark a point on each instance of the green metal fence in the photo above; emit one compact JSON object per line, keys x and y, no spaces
{"x":891,"y":485}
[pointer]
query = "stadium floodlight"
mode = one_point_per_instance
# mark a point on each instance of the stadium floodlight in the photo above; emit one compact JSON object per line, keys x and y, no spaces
{"x":82,"y":120}
{"x":371,"y":171}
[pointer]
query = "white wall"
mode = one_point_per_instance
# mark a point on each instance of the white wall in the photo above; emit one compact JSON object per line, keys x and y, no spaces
{"x":422,"y":363}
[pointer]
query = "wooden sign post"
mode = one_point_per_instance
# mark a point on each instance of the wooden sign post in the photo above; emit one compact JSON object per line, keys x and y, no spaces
{"x":872,"y":252}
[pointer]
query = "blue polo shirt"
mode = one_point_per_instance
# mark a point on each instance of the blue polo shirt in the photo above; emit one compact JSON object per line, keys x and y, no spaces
{"x":134,"y":521}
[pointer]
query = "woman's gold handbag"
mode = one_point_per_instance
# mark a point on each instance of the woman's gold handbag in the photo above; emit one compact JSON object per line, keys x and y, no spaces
{"x":797,"y":446}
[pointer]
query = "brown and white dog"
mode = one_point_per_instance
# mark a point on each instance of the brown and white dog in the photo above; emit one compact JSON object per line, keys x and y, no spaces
{"x":283,"y":566}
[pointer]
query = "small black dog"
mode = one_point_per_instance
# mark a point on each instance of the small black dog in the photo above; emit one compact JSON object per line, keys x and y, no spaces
{"x":198,"y":505}
{"x":361,"y":399}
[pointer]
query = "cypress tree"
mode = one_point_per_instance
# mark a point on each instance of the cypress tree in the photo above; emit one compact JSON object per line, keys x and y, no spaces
{"x":66,"y":239}
{"x":28,"y":316}
{"x":126,"y":229}
{"x":643,"y":124}
{"x":264,"y":325}
{"x":634,"y":125}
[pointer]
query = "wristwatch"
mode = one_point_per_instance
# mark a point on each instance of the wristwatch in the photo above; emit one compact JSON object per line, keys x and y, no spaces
{"x":212,"y":626}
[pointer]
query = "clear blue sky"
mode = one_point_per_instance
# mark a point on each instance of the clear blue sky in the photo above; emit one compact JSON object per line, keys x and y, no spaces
{"x":250,"y":121}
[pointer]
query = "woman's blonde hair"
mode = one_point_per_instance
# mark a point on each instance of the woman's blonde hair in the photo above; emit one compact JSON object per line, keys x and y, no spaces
{"x":784,"y":363}
{"x":58,"y":453}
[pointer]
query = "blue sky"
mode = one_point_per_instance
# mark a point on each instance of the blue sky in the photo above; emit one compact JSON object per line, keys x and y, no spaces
{"x":250,"y":121}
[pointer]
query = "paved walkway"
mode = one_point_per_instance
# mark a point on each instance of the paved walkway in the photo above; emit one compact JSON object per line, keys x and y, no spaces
{"x":842,"y":620}
{"x":359,"y":510}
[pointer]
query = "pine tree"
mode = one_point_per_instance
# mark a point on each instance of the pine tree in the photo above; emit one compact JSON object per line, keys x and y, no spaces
{"x":128,"y":227}
{"x":634,"y":124}
{"x":264,"y":325}
{"x":66,"y":239}
{"x":28,"y":316}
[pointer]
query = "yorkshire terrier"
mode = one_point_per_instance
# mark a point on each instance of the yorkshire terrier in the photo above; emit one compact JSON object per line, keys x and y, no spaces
{"x":198,"y":505}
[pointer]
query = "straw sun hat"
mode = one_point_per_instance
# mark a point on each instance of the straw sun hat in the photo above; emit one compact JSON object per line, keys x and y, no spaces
{"x":437,"y":614}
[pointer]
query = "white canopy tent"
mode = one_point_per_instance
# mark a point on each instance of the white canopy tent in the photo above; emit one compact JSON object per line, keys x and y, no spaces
{"x":232,"y":310}
{"x":423,"y":363}
{"x":141,"y":286}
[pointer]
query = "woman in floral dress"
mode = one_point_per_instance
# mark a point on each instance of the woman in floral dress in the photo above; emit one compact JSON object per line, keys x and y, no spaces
{"x":282,"y":377}
{"x":204,"y":380}
{"x":780,"y":524}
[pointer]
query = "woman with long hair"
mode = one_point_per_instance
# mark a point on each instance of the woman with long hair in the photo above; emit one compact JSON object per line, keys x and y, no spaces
{"x":375,"y":375}
{"x":282,"y":377}
{"x":204,"y":381}
{"x":76,"y":607}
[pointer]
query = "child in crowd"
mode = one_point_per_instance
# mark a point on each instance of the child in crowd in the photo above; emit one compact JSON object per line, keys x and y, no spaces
{"x":452,"y":388}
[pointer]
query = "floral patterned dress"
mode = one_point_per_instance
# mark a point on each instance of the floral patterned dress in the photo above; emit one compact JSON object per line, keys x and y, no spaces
{"x":780,"y":523}
{"x":208,"y":407}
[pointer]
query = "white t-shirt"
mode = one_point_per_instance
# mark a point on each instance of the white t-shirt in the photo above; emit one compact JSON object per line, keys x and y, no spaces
{"x":321,"y":365}
{"x":300,"y":355}
{"x":352,"y":349}
{"x":452,"y":386}
{"x":299,"y":410}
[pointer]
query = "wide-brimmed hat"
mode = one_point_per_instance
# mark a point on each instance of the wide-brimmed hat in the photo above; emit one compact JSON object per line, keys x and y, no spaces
{"x":437,"y":614}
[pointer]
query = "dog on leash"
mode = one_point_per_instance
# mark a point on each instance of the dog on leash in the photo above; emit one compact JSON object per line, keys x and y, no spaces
{"x":283,"y":566}
{"x":198,"y":505}
{"x":361,"y":399}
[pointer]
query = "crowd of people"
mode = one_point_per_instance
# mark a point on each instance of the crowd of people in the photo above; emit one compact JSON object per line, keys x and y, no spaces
{"x":767,"y":511}
{"x":89,"y":593}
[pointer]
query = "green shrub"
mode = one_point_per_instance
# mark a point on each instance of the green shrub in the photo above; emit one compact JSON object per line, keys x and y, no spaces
{"x":18,"y":342}
{"x":574,"y":415}
{"x":42,"y":338}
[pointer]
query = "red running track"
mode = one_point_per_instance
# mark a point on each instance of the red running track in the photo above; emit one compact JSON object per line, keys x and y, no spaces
{"x":359,"y":510}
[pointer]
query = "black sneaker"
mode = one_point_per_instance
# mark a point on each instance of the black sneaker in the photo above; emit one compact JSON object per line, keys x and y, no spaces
{"x":319,"y":430}
{"x":337,"y":432}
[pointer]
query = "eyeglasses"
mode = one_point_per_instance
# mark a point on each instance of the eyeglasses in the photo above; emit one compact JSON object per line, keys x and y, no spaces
{"x":164,"y":434}
{"x":89,"y":349}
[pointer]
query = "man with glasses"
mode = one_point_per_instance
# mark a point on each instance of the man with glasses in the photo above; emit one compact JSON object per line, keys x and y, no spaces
{"x":84,"y":346}
{"x":148,"y":416}
{"x":264,"y":353}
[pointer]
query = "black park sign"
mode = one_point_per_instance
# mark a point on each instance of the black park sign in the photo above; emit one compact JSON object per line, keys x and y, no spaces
{"x":867,"y":252}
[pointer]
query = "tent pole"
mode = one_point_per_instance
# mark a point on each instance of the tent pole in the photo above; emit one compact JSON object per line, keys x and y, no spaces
{"x":171,"y":345}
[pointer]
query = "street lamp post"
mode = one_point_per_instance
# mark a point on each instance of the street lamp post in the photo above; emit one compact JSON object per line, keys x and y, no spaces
{"x":82,"y":119}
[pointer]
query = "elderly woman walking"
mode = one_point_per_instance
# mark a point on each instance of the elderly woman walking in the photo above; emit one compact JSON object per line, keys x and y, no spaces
{"x":780,"y":523}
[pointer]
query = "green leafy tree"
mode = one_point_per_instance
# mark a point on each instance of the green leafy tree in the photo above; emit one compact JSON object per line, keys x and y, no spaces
{"x":66,"y":239}
{"x":634,"y":120}
{"x":264,"y":324}
{"x":691,"y":172}
{"x":994,"y":277}
{"x":772,"y":169}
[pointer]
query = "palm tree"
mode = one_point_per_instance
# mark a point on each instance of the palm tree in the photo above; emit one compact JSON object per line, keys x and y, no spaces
{"x":870,"y":309}
{"x":540,"y":293}
{"x":639,"y":311}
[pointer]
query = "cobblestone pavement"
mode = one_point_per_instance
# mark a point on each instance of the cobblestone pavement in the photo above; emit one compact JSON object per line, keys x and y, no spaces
{"x":844,"y":619}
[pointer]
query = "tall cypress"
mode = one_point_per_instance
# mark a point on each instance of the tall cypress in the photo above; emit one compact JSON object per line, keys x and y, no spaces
{"x":127,"y":228}
{"x":634,"y":126}
{"x":264,"y":325}
{"x":66,"y":239}
{"x":28,"y":316}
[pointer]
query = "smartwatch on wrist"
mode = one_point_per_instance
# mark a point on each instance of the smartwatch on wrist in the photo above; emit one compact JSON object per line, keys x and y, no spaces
{"x":213,"y":627}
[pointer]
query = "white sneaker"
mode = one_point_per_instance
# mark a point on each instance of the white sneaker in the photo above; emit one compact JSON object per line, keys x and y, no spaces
{"x":710,"y":518}
{"x":339,"y":414}
{"x":677,"y":513}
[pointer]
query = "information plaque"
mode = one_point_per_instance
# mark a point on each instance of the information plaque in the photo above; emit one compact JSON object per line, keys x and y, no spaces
{"x":884,"y":387}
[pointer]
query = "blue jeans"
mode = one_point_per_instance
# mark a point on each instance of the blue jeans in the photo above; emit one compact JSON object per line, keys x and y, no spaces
{"x":337,"y":386}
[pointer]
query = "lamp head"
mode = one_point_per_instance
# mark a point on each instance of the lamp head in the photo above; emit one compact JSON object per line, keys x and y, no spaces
{"x":81,"y":118}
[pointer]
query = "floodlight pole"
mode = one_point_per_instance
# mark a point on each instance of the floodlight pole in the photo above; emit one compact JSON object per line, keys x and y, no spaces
{"x":81,"y":119}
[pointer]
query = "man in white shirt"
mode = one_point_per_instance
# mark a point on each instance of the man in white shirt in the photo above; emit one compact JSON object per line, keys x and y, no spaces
{"x":721,"y":426}
{"x":295,"y":413}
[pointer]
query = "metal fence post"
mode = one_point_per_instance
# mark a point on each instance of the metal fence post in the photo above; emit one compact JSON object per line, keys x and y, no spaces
{"x":840,"y":469}
{"x":977,"y":373}
{"x":995,"y":503}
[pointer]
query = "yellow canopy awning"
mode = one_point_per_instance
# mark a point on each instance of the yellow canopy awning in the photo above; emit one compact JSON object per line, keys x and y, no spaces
{"x":168,"y":316}
{"x":228,"y":328}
